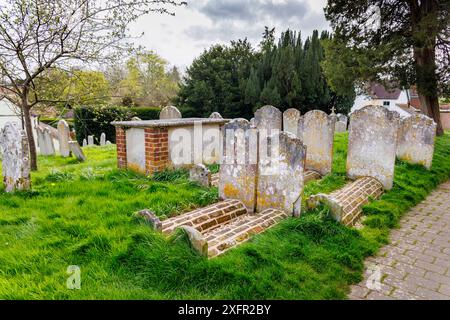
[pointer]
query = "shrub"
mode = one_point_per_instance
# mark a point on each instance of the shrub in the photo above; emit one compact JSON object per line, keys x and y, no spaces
{"x":93,"y":120}
{"x":146,"y":113}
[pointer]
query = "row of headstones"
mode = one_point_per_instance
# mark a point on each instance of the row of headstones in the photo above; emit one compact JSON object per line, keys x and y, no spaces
{"x":90,"y":140}
{"x":414,"y":139}
{"x":171,"y":112}
{"x":376,"y":137}
{"x":67,"y":145}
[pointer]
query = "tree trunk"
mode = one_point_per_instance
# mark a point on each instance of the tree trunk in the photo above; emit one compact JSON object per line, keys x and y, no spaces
{"x":29,"y":131}
{"x":427,"y":85}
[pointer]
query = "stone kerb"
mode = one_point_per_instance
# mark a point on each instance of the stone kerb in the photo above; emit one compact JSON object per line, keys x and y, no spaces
{"x":16,"y":158}
{"x":290,"y":121}
{"x":239,"y":167}
{"x":316,"y":130}
{"x":170,"y":112}
{"x":268,"y":118}
{"x":416,"y":140}
{"x":372,"y":144}
{"x":281,"y":175}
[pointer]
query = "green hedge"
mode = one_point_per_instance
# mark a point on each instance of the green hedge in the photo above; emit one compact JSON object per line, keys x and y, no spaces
{"x":146,"y":113}
{"x":93,"y":120}
{"x":54,"y":122}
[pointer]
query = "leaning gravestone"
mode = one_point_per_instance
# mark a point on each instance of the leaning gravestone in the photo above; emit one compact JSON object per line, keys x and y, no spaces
{"x":76,"y":150}
{"x":47,"y":147}
{"x":102,"y":139}
{"x":283,"y":188}
{"x":416,"y":140}
{"x":215,"y":115}
{"x":316,"y":130}
{"x":200,"y":173}
{"x":290,"y":121}
{"x":170,"y":112}
{"x":90,"y":140}
{"x":268,"y":118}
{"x":239,"y":167}
{"x":16,"y":158}
{"x":40,"y":139}
{"x":372,"y":144}
{"x":64,"y":137}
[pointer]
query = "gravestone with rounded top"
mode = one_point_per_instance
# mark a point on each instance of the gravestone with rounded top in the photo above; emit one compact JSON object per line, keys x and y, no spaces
{"x":102,"y":139}
{"x":90,"y":140}
{"x":372,"y":144}
{"x":64,"y":137}
{"x":268,"y":118}
{"x":238,"y":167}
{"x":416,"y":140}
{"x":16,"y":158}
{"x":85,"y":143}
{"x":170,"y":112}
{"x":316,"y":130}
{"x":215,"y":115}
{"x":47,"y":148}
{"x":290,"y":121}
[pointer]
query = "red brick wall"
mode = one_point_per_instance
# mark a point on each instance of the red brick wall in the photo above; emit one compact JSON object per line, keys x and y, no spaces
{"x":156,"y":149}
{"x":121,"y":142}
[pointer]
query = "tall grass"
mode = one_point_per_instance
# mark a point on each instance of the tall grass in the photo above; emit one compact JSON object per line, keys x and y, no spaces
{"x":82,"y":214}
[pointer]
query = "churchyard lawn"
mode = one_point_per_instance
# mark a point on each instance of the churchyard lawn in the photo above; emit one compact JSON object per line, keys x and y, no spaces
{"x":83,"y":214}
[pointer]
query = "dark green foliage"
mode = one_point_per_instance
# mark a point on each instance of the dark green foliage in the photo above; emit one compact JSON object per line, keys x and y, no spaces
{"x":93,"y":120}
{"x":146,"y":113}
{"x":236,"y":80}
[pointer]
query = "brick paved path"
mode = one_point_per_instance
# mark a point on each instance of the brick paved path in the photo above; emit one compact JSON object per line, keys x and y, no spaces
{"x":416,"y":265}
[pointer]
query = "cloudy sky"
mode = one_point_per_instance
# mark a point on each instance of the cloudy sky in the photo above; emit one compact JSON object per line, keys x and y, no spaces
{"x":201,"y":23}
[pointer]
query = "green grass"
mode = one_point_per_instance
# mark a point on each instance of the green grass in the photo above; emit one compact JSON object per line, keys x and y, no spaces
{"x":82,"y":214}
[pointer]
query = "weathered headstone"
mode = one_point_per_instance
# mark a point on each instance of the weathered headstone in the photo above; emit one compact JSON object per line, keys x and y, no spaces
{"x":40,"y":139}
{"x":76,"y":150}
{"x":16,"y":158}
{"x":102,"y":139}
{"x":316,"y":130}
{"x":85,"y":143}
{"x":170,"y":112}
{"x":341,"y":123}
{"x":47,"y":148}
{"x":268,"y":118}
{"x":283,"y":188}
{"x":252,"y":122}
{"x":290,"y":121}
{"x":201,"y":174}
{"x":215,"y":115}
{"x":64,"y":137}
{"x":239,"y":167}
{"x":416,"y":140}
{"x":372,"y":144}
{"x":136,"y":119}
{"x":90,"y":140}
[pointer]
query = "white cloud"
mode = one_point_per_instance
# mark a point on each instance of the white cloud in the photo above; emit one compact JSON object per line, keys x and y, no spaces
{"x":180,"y":38}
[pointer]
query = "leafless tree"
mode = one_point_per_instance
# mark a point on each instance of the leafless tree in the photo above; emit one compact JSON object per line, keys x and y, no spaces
{"x":36,"y":35}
